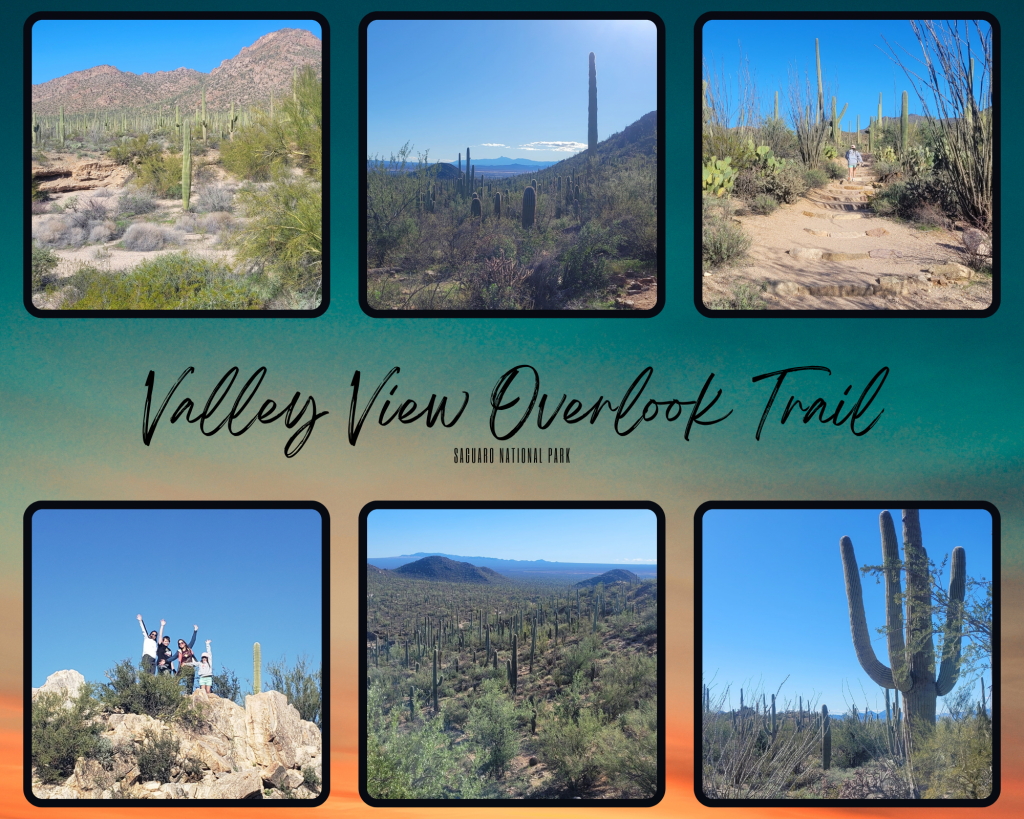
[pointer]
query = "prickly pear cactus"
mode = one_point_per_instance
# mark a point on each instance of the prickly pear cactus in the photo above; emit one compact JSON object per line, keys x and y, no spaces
{"x":718,"y":176}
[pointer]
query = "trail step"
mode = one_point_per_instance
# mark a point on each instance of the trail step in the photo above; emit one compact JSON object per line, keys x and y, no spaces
{"x":856,"y":215}
{"x":823,"y":255}
{"x":883,"y":284}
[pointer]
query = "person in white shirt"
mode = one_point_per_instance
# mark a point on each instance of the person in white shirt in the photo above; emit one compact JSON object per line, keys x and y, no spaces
{"x":149,"y":641}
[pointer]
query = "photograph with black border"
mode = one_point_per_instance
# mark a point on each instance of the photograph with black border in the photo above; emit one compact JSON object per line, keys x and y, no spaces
{"x":175,"y":164}
{"x":512,"y":653}
{"x":842,"y":677}
{"x":854,"y":171}
{"x":536,"y":191}
{"x":213,"y":586}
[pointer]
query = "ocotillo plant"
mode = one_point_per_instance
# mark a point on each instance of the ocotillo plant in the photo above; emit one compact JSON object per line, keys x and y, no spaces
{"x":911,"y":661}
{"x":826,"y":739}
{"x":592,"y":107}
{"x":257,"y":667}
{"x":186,"y":164}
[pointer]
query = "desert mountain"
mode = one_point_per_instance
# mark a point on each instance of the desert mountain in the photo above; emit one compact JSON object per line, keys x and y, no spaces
{"x":614,"y":576}
{"x":371,"y":569}
{"x":244,"y":79}
{"x":449,"y":571}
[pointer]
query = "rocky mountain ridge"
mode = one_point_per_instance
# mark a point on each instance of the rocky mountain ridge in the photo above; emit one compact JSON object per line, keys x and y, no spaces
{"x":248,"y":78}
{"x":263,"y":750}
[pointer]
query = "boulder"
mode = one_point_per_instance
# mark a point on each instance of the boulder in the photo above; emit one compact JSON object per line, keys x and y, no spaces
{"x":61,"y":682}
{"x":275,"y":730}
{"x":80,"y":176}
{"x":977,"y":242}
{"x":876,"y":232}
{"x":241,"y":785}
{"x":273,"y":775}
{"x":950,"y":270}
{"x":292,"y":779}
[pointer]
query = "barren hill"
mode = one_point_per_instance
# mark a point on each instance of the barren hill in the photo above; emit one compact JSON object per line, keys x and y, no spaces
{"x":245,"y":79}
{"x":450,"y":571}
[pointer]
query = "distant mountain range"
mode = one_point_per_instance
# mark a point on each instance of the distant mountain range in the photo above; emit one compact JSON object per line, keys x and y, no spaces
{"x":443,"y":569}
{"x":613,"y":576}
{"x":523,"y":568}
{"x":247,"y":78}
{"x":504,"y":161}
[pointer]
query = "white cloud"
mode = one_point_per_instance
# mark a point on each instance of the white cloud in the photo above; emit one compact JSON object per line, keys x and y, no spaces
{"x":637,"y":560}
{"x":561,"y":147}
{"x":493,"y":145}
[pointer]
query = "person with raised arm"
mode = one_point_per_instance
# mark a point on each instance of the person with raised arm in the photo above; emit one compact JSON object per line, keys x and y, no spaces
{"x":205,"y":666}
{"x":186,"y":672}
{"x":149,"y":641}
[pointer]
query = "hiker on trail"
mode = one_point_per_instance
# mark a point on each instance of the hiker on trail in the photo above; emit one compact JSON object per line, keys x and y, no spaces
{"x":187,"y":672}
{"x":149,"y":641}
{"x":205,"y":666}
{"x":853,"y":159}
{"x":164,"y":656}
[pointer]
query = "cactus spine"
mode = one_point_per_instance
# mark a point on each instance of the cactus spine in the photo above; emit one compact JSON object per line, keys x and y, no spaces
{"x":905,"y":125}
{"x":529,"y":206}
{"x":186,"y":164}
{"x":592,"y":107}
{"x":911,"y":661}
{"x":256,"y":668}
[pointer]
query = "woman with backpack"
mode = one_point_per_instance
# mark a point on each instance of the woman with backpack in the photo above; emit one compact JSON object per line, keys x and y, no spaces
{"x":853,"y":159}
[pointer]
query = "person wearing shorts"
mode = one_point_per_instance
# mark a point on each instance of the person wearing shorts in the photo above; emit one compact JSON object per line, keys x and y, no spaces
{"x":853,"y":159}
{"x":204,"y":669}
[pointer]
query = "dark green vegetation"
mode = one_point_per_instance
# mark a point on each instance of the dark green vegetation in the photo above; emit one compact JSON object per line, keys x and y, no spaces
{"x":546,"y":240}
{"x":935,"y":171}
{"x":65,"y":730}
{"x":795,"y":750}
{"x":514,"y":690}
{"x":612,"y":576}
{"x":436,"y":567}
{"x":267,"y":216}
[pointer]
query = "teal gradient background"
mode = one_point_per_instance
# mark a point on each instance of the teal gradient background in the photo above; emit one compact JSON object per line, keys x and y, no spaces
{"x":72,"y":393}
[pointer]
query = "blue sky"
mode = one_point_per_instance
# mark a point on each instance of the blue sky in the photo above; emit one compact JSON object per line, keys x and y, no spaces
{"x":511,"y":88}
{"x":145,"y":46}
{"x":241,"y":575}
{"x":558,"y":535}
{"x":854,"y":60}
{"x":774,"y":598}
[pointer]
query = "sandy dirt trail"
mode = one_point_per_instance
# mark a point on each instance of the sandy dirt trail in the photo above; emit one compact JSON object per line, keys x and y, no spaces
{"x":828,"y":251}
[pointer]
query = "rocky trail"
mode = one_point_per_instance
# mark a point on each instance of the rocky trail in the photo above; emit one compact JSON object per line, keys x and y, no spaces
{"x":829,"y":251}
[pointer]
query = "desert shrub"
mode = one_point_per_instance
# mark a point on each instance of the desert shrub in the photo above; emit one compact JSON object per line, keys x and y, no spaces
{"x":44,"y":261}
{"x":216,"y":222}
{"x":578,"y":658}
{"x":900,"y":199}
{"x":186,"y":223}
{"x":745,"y":296}
{"x":59,"y":231}
{"x":135,"y":203}
{"x":173,"y":281}
{"x":815,"y":178}
{"x":786,"y":185}
{"x":129,"y":691}
{"x":497,"y":284}
{"x":102,"y":193}
{"x":854,"y":743}
{"x":130,"y":151}
{"x":310,"y":779}
{"x":571,"y":743}
{"x":630,"y":752}
{"x":724,"y":241}
{"x":748,"y":184}
{"x":584,"y":264}
{"x":300,"y":684}
{"x":455,"y":713}
{"x":145,"y":236}
{"x":626,"y":679}
{"x":102,"y":232}
{"x":776,"y":135}
{"x":212,"y":198}
{"x":954,"y":761}
{"x":225,"y":684}
{"x":157,"y":755}
{"x":161,"y":174}
{"x":835,"y":170}
{"x":764,"y":205}
{"x":192,"y":715}
{"x":62,"y":731}
{"x":493,"y":726}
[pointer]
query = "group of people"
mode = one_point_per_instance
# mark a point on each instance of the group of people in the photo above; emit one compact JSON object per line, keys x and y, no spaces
{"x":157,"y":657}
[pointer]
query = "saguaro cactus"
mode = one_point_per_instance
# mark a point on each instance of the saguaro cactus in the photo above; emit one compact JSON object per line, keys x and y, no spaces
{"x":821,"y":92}
{"x":592,"y":108}
{"x":905,"y":125}
{"x":186,"y":164}
{"x":257,"y":667}
{"x":435,"y":683}
{"x":474,"y":207}
{"x":529,"y":206}
{"x":826,"y":739}
{"x":912,"y":661}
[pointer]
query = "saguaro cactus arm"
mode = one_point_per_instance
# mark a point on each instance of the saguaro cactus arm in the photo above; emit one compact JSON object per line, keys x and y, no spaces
{"x":949,"y":671}
{"x":880,"y":674}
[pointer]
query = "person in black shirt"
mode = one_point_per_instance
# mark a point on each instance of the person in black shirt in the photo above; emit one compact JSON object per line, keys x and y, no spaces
{"x":163,"y":656}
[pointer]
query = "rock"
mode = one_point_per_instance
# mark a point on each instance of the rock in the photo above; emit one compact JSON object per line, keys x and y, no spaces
{"x":61,"y":682}
{"x":977,"y":242}
{"x":80,"y":176}
{"x":624,"y":304}
{"x":533,"y":761}
{"x":292,"y":780}
{"x":806,"y":253}
{"x":876,"y":232}
{"x":951,"y":270}
{"x":172,"y":790}
{"x":241,"y":785}
{"x":884,"y":253}
{"x":824,"y":255}
{"x":273,"y":775}
{"x":274,"y":729}
{"x":155,"y":786}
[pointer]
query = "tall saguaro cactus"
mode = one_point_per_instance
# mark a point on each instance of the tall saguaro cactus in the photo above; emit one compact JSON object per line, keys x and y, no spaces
{"x":257,"y":667}
{"x":911,"y":657}
{"x":592,"y":107}
{"x":821,"y":91}
{"x":529,"y":206}
{"x":826,"y":739}
{"x":186,"y":163}
{"x":905,"y":125}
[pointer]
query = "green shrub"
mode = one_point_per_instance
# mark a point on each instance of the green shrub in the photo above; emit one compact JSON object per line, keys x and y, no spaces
{"x":901,"y":199}
{"x":157,"y":755}
{"x":173,"y":281}
{"x":584,"y":264}
{"x":62,"y":732}
{"x":310,"y":779}
{"x":764,"y":205}
{"x":161,"y":174}
{"x":630,"y":753}
{"x":835,"y":170}
{"x":300,"y":684}
{"x":954,"y":761}
{"x":494,"y":728}
{"x":626,"y":679}
{"x":129,"y":691}
{"x":815,"y":178}
{"x":724,"y":241}
{"x":572,"y":741}
{"x":44,"y":261}
{"x":745,"y":296}
{"x":134,"y":150}
{"x":226,"y":686}
{"x":787,"y":184}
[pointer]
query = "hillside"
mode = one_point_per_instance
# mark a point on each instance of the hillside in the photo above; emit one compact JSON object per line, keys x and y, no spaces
{"x":608,"y":578}
{"x":248,"y":78}
{"x":449,"y":571}
{"x":375,"y":570}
